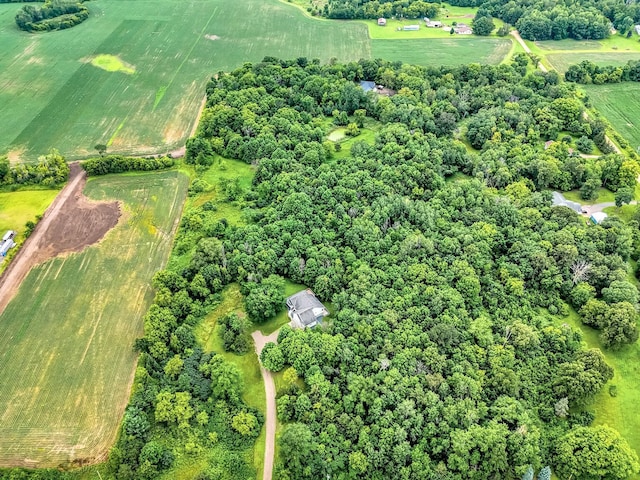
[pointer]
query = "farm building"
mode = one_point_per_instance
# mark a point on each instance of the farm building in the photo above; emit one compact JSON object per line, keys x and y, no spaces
{"x":637,"y":28}
{"x":305,"y":310}
{"x":598,"y":217}
{"x":9,"y":235}
{"x":434,"y":23}
{"x":382,"y":22}
{"x":463,"y":29}
{"x":548,"y":143}
{"x":411,"y":28}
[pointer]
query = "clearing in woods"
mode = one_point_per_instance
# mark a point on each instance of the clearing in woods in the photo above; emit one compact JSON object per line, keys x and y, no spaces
{"x":620,"y":104}
{"x":66,"y":356}
{"x":163,"y":52}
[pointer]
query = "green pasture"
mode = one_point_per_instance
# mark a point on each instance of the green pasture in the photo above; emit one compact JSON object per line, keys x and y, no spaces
{"x":161,"y":54}
{"x":618,"y":411}
{"x":620,"y":105}
{"x":17,"y":208}
{"x":66,"y":356}
{"x":446,"y":51}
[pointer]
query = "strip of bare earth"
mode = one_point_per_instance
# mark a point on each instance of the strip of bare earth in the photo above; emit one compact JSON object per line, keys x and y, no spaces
{"x":27,"y":257}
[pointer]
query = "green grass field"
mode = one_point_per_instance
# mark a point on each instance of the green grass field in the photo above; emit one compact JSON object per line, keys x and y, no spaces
{"x":66,"y":356}
{"x":447,"y":51}
{"x":56,"y":96}
{"x":562,"y":61}
{"x":16,"y":208}
{"x":618,"y":411}
{"x":620,"y":104}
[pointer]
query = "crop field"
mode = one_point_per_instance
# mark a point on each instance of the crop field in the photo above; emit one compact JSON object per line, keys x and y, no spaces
{"x":620,"y":104}
{"x":132,"y":76}
{"x":562,"y":61}
{"x":66,"y":356}
{"x":447,"y":51}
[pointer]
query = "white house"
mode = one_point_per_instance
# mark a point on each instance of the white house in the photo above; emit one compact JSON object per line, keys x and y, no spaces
{"x":305,"y":310}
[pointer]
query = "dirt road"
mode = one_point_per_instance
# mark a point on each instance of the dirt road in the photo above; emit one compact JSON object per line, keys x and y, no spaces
{"x":260,"y":341}
{"x":71,"y":223}
{"x":517,"y":36}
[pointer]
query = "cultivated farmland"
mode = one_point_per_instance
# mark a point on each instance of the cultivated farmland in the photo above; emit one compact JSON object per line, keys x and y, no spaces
{"x":620,"y":104}
{"x":132,"y":76}
{"x":436,"y":51}
{"x":66,"y":356}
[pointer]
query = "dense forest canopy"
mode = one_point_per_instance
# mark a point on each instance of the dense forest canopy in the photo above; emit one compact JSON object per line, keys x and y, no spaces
{"x":447,"y":356}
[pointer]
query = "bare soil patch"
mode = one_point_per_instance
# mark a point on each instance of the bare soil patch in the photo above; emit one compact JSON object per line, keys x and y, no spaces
{"x":72,"y":223}
{"x":212,"y":37}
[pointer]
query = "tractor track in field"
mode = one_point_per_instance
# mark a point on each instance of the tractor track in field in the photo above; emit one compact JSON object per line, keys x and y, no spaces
{"x":70,"y":224}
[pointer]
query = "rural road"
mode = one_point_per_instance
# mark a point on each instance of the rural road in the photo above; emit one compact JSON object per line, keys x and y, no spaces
{"x":260,"y":341}
{"x":517,"y":36}
{"x":25,"y":258}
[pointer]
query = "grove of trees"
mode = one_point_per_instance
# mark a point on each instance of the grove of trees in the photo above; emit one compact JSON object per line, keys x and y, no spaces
{"x":53,"y":15}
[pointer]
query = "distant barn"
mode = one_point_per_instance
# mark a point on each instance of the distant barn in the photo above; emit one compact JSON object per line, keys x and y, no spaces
{"x":382,"y":22}
{"x":411,"y":27}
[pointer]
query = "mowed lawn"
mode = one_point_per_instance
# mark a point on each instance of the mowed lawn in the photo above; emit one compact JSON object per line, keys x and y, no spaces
{"x":66,"y":339}
{"x":620,"y":104}
{"x":52,"y":95}
{"x":437,"y":52}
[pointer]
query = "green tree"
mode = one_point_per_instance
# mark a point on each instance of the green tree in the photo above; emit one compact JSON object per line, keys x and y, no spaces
{"x":272,"y":357}
{"x":246,"y":424}
{"x":594,"y":453}
{"x":623,"y":196}
{"x":483,"y":26}
{"x":265,"y":298}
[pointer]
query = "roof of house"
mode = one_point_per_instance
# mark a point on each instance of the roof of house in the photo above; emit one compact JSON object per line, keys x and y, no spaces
{"x":367,"y":86}
{"x":548,"y":143}
{"x":303,"y":301}
{"x":558,"y":200}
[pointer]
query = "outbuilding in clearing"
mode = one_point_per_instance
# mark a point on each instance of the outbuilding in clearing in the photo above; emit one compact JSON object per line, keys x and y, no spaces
{"x":598,"y":217}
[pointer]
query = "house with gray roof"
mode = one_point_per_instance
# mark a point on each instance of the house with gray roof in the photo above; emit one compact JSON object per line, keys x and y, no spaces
{"x":305,"y":310}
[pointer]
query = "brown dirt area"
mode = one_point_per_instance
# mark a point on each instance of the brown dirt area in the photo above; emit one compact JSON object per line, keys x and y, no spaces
{"x":70,"y":224}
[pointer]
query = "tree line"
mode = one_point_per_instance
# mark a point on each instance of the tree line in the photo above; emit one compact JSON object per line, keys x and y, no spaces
{"x":51,"y":170}
{"x":587,"y":72}
{"x":121,"y":163}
